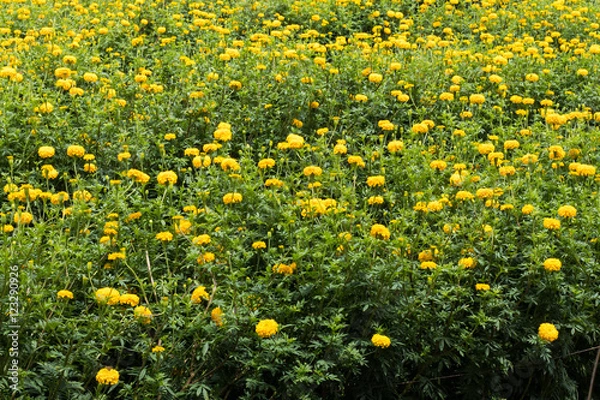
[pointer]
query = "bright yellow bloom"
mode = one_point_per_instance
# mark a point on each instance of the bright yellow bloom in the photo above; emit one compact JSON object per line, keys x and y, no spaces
{"x":46,"y":151}
{"x":75,"y":151}
{"x":217,"y":316}
{"x":381,"y":341}
{"x":377,"y":180}
{"x":380,"y":231}
{"x":266,"y":163}
{"x":129,"y":299}
{"x":527,"y":209}
{"x":395,"y":146}
{"x":164,"y":236}
{"x":467,"y":262}
{"x":552,"y":264}
{"x":167,"y":177}
{"x":551,"y":223}
{"x":476,"y":99}
{"x":22,"y":218}
{"x":259,"y":245}
{"x":313,"y":170}
{"x":64,"y":294}
{"x":356,"y":160}
{"x":198,"y":294}
{"x":158,"y":349}
{"x":548,"y":332}
{"x":201,"y":240}
{"x":428,"y":265}
{"x":567,"y":211}
{"x":107,"y":376}
{"x":143,"y":314}
{"x":284,"y":269}
{"x":267,"y":328}
{"x":482,"y":286}
{"x":232,"y":198}
{"x":107,"y":295}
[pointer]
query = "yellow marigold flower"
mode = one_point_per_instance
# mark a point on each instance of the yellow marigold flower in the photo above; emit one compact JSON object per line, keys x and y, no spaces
{"x":295,"y":141}
{"x":217,"y":316}
{"x":463,"y":195}
{"x":484,"y":193}
{"x":485,"y":148}
{"x":164,"y":236}
{"x":223,"y":132}
{"x":356,"y":160}
{"x":7,"y":228}
{"x":552,"y":264}
{"x":435,"y":205}
{"x":527,"y":209}
{"x":183,"y":226}
{"x":377,"y":180}
{"x":266,"y":163}
{"x":259,"y":245}
{"x":584,"y":170}
{"x":381,"y":341}
{"x":46,"y":151}
{"x":446,"y":96}
{"x":567,"y":211}
{"x":129,"y":299}
{"x":198,"y":294}
{"x":547,"y":332}
{"x":361,"y":98}
{"x":206,"y":258}
{"x":395,"y":146}
{"x":284,"y":269}
{"x":467,"y":262}
{"x":420,"y":128}
{"x":158,"y":349}
{"x":312,"y":170}
{"x":386,"y":125}
{"x":201,"y":239}
{"x":230,"y":164}
{"x":482,"y":286}
{"x":375,"y":200}
{"x":22,"y":218}
{"x":551,"y":223}
{"x":440,"y":165}
{"x":107,"y":376}
{"x":64,"y":294}
{"x":507,"y":170}
{"x":273,"y":182}
{"x":116,"y":256}
{"x":556,"y":152}
{"x":232,"y":198}
{"x":45,"y":108}
{"x":143,"y":314}
{"x":138,"y":175}
{"x":75,"y":151}
{"x":476,"y":99}
{"x":511,"y":144}
{"x":107,"y":295}
{"x":375,"y":78}
{"x":532,"y":77}
{"x":380,"y":231}
{"x":267,"y":328}
{"x":167,"y":177}
{"x":340,"y":149}
{"x":428,"y":265}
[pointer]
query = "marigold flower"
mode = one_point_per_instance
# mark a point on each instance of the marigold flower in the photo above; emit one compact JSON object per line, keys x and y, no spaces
{"x":232,"y":198}
{"x":75,"y":151}
{"x":164,"y":236}
{"x":107,"y":295}
{"x":482,"y":287}
{"x":440,"y":165}
{"x":64,"y":294}
{"x":428,"y":265}
{"x":259,"y":245}
{"x":356,"y":160}
{"x":511,"y":144}
{"x":143,"y":314}
{"x":138,"y":175}
{"x":485,"y":148}
{"x":46,"y":151}
{"x":381,"y":341}
{"x":22,"y":218}
{"x":158,"y":349}
{"x":395,"y":146}
{"x":206,"y":258}
{"x":484,"y":193}
{"x":377,"y":180}
{"x":107,"y":376}
{"x":527,"y":209}
{"x":380,"y":231}
{"x":386,"y":125}
{"x":266,"y":163}
{"x":556,"y":152}
{"x":223,"y":132}
{"x":312,"y":171}
{"x":375,"y":78}
{"x":198,"y":294}
{"x":284,"y":269}
{"x":476,"y":99}
{"x":552,"y":264}
{"x":567,"y":211}
{"x":267,"y":328}
{"x":129,"y":299}
{"x":167,"y":177}
{"x":217,"y":316}
{"x":551,"y":223}
{"x":467,"y":262}
{"x":547,"y":332}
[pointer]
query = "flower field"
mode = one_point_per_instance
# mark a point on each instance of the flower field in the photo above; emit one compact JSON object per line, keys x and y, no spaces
{"x":277,"y":199}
